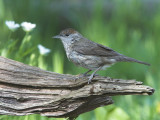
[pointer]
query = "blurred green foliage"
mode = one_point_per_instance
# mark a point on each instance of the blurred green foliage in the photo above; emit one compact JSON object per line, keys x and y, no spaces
{"x":131,"y":27}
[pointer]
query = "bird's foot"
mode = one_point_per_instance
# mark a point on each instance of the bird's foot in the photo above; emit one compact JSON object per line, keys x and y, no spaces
{"x":80,"y":76}
{"x":91,"y":77}
{"x":77,"y":77}
{"x":93,"y":74}
{"x":86,"y":75}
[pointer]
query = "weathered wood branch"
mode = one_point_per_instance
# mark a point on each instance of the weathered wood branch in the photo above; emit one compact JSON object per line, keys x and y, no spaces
{"x":27,"y":90}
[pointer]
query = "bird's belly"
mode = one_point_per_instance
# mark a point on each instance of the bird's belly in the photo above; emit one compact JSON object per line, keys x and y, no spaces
{"x":87,"y":61}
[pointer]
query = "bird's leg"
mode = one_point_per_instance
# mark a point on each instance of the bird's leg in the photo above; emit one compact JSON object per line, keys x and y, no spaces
{"x":85,"y":74}
{"x":82,"y":75}
{"x":92,"y":75}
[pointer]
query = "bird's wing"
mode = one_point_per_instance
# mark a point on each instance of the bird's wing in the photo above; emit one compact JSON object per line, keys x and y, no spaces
{"x":87,"y":47}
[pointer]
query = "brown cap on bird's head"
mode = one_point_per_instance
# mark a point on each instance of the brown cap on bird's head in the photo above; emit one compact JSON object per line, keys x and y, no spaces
{"x":66,"y":32}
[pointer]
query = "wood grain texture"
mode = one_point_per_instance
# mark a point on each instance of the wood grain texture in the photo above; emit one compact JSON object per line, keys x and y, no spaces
{"x":29,"y":90}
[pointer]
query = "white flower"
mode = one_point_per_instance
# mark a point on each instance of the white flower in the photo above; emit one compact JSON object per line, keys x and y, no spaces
{"x":27,"y":27}
{"x":43,"y":50}
{"x":12,"y":25}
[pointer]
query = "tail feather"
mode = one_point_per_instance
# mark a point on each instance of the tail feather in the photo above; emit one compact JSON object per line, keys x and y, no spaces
{"x":128,"y":59}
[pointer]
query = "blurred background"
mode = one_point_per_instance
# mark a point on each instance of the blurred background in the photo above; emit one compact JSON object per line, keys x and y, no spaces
{"x":131,"y":27}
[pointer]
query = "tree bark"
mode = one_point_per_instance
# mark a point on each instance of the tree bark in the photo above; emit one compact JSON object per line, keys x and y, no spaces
{"x":28,"y":90}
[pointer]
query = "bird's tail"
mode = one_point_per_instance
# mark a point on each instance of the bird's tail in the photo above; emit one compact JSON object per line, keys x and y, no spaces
{"x":128,"y":59}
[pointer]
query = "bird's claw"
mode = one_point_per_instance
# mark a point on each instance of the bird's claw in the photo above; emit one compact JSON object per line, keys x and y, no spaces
{"x":84,"y":75}
{"x":87,"y":75}
{"x":90,"y":78}
{"x":80,"y":76}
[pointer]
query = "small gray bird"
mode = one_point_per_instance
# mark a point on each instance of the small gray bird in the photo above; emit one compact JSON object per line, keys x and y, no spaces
{"x":88,"y":54}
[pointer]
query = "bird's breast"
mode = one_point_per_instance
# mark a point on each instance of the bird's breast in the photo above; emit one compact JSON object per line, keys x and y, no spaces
{"x":68,"y":47}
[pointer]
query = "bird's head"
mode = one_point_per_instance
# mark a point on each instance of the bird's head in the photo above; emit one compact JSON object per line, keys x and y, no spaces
{"x":68,"y":34}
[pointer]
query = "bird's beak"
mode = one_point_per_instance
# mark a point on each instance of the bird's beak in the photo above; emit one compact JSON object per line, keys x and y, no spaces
{"x":57,"y":36}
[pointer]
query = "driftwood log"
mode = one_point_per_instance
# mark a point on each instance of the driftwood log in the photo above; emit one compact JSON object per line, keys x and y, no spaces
{"x":28,"y":90}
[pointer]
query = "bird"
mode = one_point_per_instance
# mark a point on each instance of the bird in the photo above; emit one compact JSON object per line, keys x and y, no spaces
{"x":88,"y":54}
